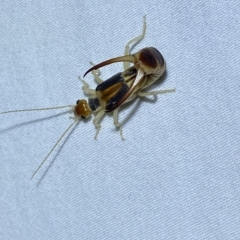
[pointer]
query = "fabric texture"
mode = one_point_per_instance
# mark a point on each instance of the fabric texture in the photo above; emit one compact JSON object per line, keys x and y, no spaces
{"x":176,"y":175}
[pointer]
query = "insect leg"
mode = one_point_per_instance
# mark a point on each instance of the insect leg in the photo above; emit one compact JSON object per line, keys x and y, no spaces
{"x":116,"y":123}
{"x":86,"y":88}
{"x":115,"y":116}
{"x":145,"y":94}
{"x":96,"y":74}
{"x":55,"y":145}
{"x":97,"y":118}
{"x":126,"y":65}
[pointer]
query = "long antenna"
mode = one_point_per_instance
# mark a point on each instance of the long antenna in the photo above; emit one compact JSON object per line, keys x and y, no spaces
{"x":59,"y":139}
{"x":37,"y":109}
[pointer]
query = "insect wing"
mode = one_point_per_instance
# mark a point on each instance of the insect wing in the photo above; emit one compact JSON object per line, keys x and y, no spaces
{"x":111,"y":91}
{"x":131,"y":90}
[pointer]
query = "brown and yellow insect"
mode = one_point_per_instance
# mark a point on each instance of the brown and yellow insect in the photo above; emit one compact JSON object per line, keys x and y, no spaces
{"x":148,"y":66}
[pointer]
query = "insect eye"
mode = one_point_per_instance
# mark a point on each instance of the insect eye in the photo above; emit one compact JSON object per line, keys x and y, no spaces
{"x":83,"y":117}
{"x":77,"y":102}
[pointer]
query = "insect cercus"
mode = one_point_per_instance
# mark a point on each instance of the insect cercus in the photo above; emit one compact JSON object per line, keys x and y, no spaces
{"x":148,"y":65}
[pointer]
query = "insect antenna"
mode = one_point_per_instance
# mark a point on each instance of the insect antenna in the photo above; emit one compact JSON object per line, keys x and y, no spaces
{"x":55,"y":145}
{"x":37,"y":109}
{"x":59,"y":139}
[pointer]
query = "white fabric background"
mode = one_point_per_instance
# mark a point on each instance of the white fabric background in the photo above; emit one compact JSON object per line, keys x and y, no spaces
{"x":177,"y":175}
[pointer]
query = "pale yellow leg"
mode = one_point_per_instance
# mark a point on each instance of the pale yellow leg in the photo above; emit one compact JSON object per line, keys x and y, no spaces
{"x":86,"y":88}
{"x":97,"y":118}
{"x":145,"y":94}
{"x":115,"y":117}
{"x":126,"y":65}
{"x":116,"y":123}
{"x":96,"y":74}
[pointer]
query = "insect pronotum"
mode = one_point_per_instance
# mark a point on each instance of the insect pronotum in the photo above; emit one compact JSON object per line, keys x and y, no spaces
{"x":148,"y":66}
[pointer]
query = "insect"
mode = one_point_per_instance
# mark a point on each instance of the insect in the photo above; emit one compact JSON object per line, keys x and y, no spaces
{"x":148,"y":65}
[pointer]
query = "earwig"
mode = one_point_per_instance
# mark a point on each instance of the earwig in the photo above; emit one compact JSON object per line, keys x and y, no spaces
{"x":148,"y":66}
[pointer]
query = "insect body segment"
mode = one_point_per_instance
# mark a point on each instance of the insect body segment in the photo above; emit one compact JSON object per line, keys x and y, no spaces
{"x":107,"y":94}
{"x":148,"y":66}
{"x":115,"y":88}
